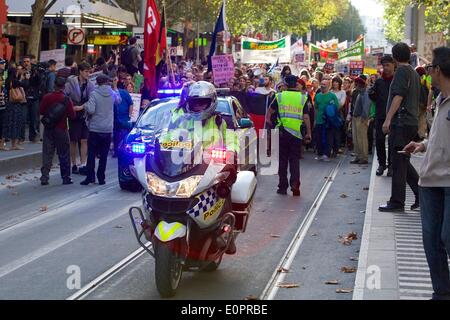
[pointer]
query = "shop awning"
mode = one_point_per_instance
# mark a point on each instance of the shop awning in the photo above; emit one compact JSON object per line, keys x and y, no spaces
{"x":95,"y":14}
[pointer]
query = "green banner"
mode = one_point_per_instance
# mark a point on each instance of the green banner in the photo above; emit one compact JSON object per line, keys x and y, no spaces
{"x":357,"y":49}
{"x":264,"y":45}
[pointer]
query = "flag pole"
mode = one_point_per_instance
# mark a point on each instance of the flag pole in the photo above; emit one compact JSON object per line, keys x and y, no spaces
{"x":168,"y":57}
{"x":225,"y":32}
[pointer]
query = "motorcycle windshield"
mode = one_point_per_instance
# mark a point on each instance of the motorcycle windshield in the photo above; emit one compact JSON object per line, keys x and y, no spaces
{"x":176,"y":151}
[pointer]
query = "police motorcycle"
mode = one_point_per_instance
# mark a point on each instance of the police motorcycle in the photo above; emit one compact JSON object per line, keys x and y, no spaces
{"x":195,"y":202}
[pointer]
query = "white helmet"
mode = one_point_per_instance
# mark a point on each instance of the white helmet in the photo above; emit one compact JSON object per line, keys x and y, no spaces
{"x":201,"y":101}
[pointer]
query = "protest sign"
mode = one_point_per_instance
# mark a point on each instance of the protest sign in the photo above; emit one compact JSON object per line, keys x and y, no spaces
{"x":59,"y":55}
{"x":356,"y":68}
{"x":257,"y":51}
{"x":223,"y":68}
{"x":136,"y":97}
{"x":329,"y":66}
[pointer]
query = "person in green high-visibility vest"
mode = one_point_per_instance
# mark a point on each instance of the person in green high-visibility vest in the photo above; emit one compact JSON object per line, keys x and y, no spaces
{"x":198,"y":104}
{"x":292,"y":111}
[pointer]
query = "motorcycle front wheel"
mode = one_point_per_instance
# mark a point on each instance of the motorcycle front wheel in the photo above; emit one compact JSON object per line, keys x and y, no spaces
{"x":168,"y":269}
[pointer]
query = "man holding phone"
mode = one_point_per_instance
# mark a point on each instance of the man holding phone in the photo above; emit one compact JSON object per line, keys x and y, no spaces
{"x":435,"y":180}
{"x":402,"y":124}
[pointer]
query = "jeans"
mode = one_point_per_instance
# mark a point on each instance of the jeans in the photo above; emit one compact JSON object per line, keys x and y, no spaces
{"x":321,"y":140}
{"x":435,"y":211}
{"x":290,"y":151}
{"x":33,"y":116}
{"x":334,"y":139}
{"x":98,"y":144}
{"x":380,"y":142}
{"x":402,"y":170}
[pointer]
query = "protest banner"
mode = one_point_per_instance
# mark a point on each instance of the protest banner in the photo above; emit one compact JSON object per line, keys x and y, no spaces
{"x":432,"y":41}
{"x":356,"y":68}
{"x":223,"y":68}
{"x":59,"y":55}
{"x":356,"y":50}
{"x":371,"y":62}
{"x":136,"y":97}
{"x":257,"y":51}
{"x":138,"y":80}
{"x":329,"y":66}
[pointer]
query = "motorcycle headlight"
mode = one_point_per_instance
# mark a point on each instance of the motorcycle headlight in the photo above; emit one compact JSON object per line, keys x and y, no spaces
{"x":179,"y":189}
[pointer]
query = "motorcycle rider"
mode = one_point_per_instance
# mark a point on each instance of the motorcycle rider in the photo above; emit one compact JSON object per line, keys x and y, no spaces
{"x":198,"y":103}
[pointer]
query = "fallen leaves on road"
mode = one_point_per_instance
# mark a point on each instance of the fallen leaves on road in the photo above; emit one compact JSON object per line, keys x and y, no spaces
{"x":332,"y":282}
{"x":353,"y":259}
{"x":314,"y":235}
{"x":118,"y":226}
{"x":288,"y":285}
{"x":358,"y":199}
{"x":10,"y":187}
{"x":251,"y":297}
{"x":10,"y":177}
{"x":14,"y":193}
{"x":348,"y":269}
{"x":341,"y":290}
{"x":43,"y":208}
{"x":347,"y":240}
{"x":343,"y":196}
{"x":275,"y":235}
{"x":351,"y":222}
{"x":283,"y":270}
{"x":366,"y":188}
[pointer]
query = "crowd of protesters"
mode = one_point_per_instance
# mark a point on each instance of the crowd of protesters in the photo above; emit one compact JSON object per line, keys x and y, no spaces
{"x":345,"y":112}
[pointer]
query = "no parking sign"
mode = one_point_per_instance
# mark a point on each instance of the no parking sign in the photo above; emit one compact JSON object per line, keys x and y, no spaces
{"x":76,"y":36}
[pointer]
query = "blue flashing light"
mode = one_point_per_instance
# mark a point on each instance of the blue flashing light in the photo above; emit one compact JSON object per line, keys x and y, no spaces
{"x":170,"y":92}
{"x":138,"y":148}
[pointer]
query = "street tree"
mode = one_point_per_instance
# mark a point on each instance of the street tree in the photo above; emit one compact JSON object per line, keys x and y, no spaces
{"x":346,"y":27}
{"x":437,"y":17}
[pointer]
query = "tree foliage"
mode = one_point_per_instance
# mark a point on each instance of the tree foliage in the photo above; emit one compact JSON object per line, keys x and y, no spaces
{"x":437,"y":17}
{"x":347,"y":27}
{"x":265,"y":16}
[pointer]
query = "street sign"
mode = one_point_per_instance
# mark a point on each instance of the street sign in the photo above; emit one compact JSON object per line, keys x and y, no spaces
{"x":76,"y":36}
{"x":173,"y":51}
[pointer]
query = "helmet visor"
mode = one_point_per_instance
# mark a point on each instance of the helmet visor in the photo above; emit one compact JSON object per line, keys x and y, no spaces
{"x":197,"y":105}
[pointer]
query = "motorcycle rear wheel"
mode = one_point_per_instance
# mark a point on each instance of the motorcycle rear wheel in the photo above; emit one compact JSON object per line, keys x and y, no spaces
{"x":168,"y":269}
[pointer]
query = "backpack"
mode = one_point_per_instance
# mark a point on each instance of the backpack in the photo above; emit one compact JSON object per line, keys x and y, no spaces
{"x":43,"y":83}
{"x":54,"y":114}
{"x":125,"y":57}
{"x":332,"y":117}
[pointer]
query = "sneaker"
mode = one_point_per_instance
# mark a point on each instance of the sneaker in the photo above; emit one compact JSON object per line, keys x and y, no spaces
{"x":75,"y":169}
{"x":326,"y":159}
{"x":389,"y":173}
{"x":415,"y":206}
{"x":44,"y":183}
{"x":356,"y":161}
{"x":363,"y":162}
{"x":67,"y":181}
{"x":380,"y":170}
{"x":318,"y":158}
{"x":86,"y":181}
{"x":82,"y":171}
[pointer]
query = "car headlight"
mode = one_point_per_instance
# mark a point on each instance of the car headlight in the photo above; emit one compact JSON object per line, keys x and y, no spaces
{"x":179,"y":189}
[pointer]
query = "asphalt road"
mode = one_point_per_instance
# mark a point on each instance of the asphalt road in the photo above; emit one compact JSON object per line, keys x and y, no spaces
{"x":46,"y":232}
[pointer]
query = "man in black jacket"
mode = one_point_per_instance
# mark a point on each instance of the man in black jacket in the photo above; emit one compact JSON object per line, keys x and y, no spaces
{"x":379,"y":93}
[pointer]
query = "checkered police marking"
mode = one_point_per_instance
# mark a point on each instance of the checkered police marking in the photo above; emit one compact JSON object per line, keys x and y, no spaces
{"x":206,"y":201}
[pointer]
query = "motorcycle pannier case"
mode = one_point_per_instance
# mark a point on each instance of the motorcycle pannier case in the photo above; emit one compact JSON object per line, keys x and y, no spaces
{"x":242,"y":194}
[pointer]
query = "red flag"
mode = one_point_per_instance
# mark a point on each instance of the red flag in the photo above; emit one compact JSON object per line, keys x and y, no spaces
{"x":151,"y":35}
